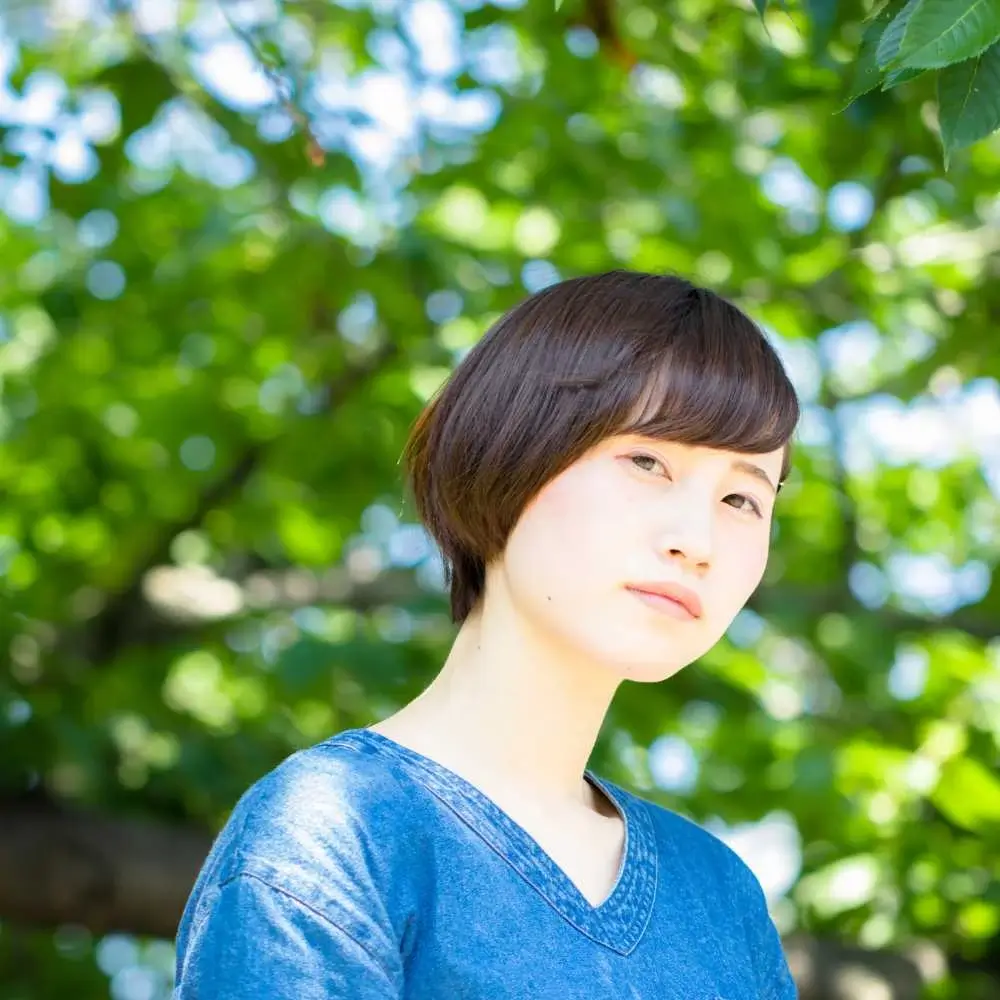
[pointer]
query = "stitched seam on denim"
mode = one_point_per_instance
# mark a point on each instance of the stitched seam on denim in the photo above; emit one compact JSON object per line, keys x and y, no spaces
{"x":645,"y":806}
{"x":543,"y":885}
{"x":429,"y":775}
{"x":400,"y":784}
{"x":312,"y":909}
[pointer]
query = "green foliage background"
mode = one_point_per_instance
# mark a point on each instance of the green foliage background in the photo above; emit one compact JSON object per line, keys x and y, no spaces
{"x":217,"y":322}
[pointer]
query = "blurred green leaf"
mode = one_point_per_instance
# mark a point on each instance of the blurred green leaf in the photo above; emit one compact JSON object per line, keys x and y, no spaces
{"x":822,"y":18}
{"x":969,"y":795}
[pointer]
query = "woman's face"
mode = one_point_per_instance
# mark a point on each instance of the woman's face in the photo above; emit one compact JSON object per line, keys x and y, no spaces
{"x":635,"y":513}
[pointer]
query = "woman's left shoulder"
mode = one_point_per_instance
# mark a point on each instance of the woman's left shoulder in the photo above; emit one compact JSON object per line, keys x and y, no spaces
{"x":685,"y":846}
{"x":707,"y":875}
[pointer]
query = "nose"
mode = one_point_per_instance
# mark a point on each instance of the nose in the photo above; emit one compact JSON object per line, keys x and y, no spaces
{"x":688,"y":537}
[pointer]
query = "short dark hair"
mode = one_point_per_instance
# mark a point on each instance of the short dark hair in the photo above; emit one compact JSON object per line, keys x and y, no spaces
{"x":582,"y":360}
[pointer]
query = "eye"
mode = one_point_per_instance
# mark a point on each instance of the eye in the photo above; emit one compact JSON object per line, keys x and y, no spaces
{"x":640,"y":458}
{"x":750,"y":506}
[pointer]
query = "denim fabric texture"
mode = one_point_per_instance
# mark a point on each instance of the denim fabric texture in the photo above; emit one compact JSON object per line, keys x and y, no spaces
{"x":361,"y":869}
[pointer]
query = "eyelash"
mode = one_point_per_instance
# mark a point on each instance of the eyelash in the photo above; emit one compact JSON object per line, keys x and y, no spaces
{"x":754,"y":506}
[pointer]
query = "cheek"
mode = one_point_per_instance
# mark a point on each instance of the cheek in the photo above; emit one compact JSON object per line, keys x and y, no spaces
{"x":554,"y":503}
{"x":559,"y":539}
{"x":745,"y":567}
{"x":570,"y":505}
{"x":548,"y":526}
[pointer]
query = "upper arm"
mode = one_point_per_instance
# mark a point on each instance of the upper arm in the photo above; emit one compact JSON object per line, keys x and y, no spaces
{"x":258,"y":940}
{"x":307,"y":891}
{"x":774,"y":976}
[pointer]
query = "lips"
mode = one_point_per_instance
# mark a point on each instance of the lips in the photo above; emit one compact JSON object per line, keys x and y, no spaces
{"x":683,"y":596}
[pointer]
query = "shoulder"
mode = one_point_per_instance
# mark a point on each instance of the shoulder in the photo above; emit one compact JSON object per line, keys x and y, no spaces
{"x":707,"y":874}
{"x":707,"y":860}
{"x":326,"y":823}
{"x":322,"y":792}
{"x":320,"y":849}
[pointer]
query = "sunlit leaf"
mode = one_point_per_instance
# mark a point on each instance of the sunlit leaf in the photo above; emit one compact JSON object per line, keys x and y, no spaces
{"x":867,"y":74}
{"x":942,"y":32}
{"x":969,"y":794}
{"x":894,"y":32}
{"x":969,"y":100}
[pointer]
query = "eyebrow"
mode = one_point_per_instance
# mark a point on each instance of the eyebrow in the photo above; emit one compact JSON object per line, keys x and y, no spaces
{"x":741,"y":465}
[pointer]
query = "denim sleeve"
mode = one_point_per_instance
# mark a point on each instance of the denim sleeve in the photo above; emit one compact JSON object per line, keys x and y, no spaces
{"x":258,"y":940}
{"x":774,"y":976}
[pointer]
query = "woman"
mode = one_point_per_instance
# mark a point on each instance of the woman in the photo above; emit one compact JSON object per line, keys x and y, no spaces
{"x":600,"y":474}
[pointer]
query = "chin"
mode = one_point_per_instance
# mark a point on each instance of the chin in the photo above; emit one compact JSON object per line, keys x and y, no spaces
{"x":650,"y":673}
{"x":648,"y":664}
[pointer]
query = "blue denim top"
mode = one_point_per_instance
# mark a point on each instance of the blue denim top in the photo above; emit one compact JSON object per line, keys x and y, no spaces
{"x":361,"y":869}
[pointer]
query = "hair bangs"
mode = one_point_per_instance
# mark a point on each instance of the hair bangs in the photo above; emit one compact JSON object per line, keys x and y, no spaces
{"x":738,"y":403}
{"x":702,"y":375}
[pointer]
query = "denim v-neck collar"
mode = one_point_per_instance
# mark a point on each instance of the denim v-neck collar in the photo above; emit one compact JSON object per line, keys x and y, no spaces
{"x":619,"y":921}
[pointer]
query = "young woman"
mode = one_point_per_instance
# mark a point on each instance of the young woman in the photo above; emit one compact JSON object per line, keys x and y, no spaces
{"x":600,"y":474}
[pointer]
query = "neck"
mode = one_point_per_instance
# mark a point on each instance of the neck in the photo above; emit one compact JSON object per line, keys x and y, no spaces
{"x":514,"y":707}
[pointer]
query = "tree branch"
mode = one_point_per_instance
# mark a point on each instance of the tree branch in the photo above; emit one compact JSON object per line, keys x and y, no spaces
{"x":106,"y":633}
{"x":177,"y":600}
{"x":62,"y":866}
{"x":282,"y":81}
{"x":812,"y":602}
